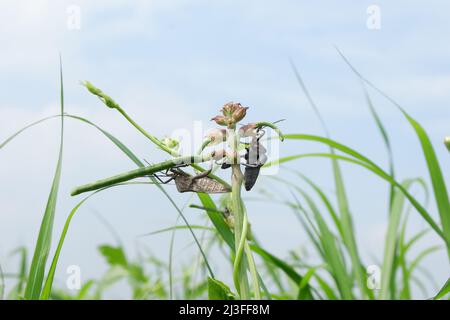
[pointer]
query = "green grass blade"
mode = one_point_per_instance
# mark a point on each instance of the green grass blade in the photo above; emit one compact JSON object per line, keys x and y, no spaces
{"x":5,"y":142}
{"x":341,"y":196}
{"x":437,"y":180}
{"x":325,"y":201}
{"x":421,"y":256}
{"x":283,"y":266}
{"x":139,"y":163}
{"x":326,"y":288}
{"x":46,"y":291}
{"x":2,"y":283}
{"x":217,"y":220}
{"x":179,"y":228}
{"x":386,"y":140}
{"x":391,"y":242}
{"x":331,"y":253}
{"x":445,"y":290}
{"x":37,"y":269}
{"x":365,"y":162}
{"x":116,"y":141}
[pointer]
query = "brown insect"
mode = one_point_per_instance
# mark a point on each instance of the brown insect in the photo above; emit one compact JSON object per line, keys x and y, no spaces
{"x":199,"y":183}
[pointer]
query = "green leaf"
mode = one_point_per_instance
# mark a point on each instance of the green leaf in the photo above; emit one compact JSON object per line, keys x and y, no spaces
{"x":217,"y":219}
{"x":437,"y":180}
{"x":42,"y":249}
{"x":136,"y":160}
{"x":46,"y":292}
{"x":364,"y":162}
{"x":113,"y":255}
{"x":445,"y":290}
{"x":287,"y":269}
{"x":332,"y":255}
{"x":217,"y":290}
{"x":391,"y":240}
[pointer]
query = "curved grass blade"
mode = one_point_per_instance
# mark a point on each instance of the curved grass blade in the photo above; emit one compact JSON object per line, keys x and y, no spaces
{"x":365,"y":162}
{"x":386,"y":141}
{"x":288,"y":270}
{"x":437,"y":180}
{"x":51,"y":273}
{"x":178,"y":228}
{"x":37,"y":269}
{"x":341,"y":195}
{"x":331,"y":253}
{"x":5,"y":142}
{"x":110,"y":103}
{"x":445,"y":290}
{"x":117,"y":142}
{"x":391,"y":243}
{"x":217,"y":220}
{"x":2,"y":284}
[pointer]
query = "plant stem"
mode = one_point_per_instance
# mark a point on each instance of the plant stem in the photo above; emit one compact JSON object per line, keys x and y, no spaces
{"x":161,"y":145}
{"x":140,"y":172}
{"x":240,"y":265}
{"x":110,"y":103}
{"x":241,"y":228}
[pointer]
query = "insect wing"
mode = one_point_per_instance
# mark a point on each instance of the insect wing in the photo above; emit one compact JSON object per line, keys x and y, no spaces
{"x":208,"y":185}
{"x":250,"y":177}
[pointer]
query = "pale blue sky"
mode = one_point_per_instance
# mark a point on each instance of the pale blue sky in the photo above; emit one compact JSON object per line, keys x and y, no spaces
{"x":172,"y":63}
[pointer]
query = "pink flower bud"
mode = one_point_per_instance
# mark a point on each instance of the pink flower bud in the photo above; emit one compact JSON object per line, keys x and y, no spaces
{"x":219,"y":154}
{"x":248,"y":130}
{"x":239,"y":114}
{"x":229,"y":108}
{"x":220,"y":120}
{"x":217,"y":136}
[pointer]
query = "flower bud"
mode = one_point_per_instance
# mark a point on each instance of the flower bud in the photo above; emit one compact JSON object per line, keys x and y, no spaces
{"x":447,"y":142}
{"x":218,"y":154}
{"x":239,"y":114}
{"x":107,"y":100}
{"x":220,"y":120}
{"x":229,"y":108}
{"x":170,"y":143}
{"x":248,"y":130}
{"x":217,"y":136}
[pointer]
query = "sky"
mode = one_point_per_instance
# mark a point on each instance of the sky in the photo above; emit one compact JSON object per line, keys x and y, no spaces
{"x":172,"y":65}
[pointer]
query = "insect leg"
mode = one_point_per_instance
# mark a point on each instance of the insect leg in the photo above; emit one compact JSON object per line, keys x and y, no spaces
{"x":171,"y":177}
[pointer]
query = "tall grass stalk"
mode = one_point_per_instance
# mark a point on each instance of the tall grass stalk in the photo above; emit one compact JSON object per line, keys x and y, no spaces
{"x":43,"y":243}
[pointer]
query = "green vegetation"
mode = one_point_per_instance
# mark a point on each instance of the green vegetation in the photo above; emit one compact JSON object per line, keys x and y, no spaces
{"x":256,"y":273}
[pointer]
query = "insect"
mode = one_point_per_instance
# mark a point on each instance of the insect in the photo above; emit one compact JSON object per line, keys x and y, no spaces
{"x":255,"y":157}
{"x":199,"y":183}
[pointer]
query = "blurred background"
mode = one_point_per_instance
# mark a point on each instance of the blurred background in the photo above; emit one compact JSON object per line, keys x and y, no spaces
{"x":170,"y":64}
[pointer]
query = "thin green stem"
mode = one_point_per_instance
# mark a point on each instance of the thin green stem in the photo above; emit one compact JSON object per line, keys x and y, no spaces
{"x":140,"y":172}
{"x":240,"y":227}
{"x":109,"y":102}
{"x":241,"y":230}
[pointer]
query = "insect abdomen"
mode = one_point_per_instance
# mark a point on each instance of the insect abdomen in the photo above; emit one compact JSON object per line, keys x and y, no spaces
{"x":250,"y":177}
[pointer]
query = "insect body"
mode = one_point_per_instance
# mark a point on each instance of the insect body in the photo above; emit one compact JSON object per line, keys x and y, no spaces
{"x":255,"y":157}
{"x":199,"y":183}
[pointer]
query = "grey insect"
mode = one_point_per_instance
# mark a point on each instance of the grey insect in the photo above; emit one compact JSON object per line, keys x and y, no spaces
{"x":198,"y":183}
{"x":255,"y":157}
